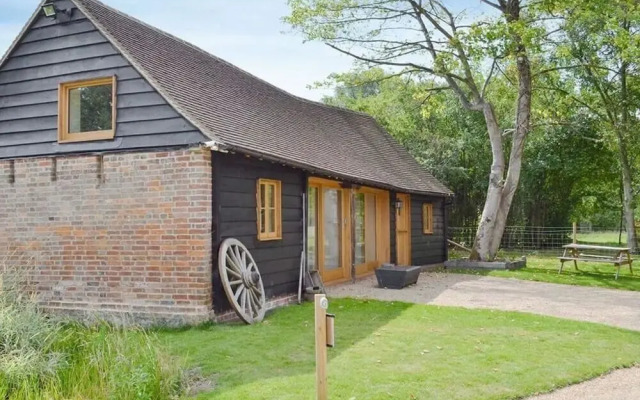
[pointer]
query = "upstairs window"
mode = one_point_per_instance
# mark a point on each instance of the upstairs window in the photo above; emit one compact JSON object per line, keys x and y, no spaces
{"x":87,"y":110}
{"x":427,"y":218}
{"x":269,"y":210}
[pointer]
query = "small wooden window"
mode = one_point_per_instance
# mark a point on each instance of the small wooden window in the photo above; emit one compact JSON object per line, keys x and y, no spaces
{"x":427,"y":218}
{"x":87,"y":110}
{"x":269,"y":210}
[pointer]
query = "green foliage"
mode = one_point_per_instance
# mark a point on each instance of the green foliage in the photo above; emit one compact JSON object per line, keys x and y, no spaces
{"x":44,"y":358}
{"x":596,"y":48}
{"x":569,"y":171}
{"x":27,"y":342}
{"x":433,"y":40}
{"x":576,"y":49}
{"x":448,"y":140}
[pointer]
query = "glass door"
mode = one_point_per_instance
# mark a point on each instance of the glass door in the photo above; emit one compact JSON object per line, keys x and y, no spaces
{"x":366,"y":232}
{"x":332,"y":234}
{"x":312,"y":228}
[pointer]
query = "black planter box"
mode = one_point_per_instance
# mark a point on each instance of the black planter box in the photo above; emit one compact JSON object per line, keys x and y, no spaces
{"x":394,"y":277}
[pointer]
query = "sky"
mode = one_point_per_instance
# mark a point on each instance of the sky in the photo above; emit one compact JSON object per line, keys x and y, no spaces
{"x":247,"y":33}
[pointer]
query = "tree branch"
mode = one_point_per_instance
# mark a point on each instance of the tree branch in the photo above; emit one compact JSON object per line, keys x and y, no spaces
{"x":492,"y":4}
{"x":486,"y":82}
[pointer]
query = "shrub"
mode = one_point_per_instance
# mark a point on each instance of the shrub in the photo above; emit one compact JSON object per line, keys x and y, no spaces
{"x":42,"y":357}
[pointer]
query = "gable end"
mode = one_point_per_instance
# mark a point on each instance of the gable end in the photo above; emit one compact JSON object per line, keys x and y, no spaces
{"x":49,"y":53}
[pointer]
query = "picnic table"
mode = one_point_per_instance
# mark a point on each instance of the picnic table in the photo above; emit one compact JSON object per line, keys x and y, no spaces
{"x":575,"y":252}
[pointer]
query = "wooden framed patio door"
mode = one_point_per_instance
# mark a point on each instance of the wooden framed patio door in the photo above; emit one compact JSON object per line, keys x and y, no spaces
{"x":371,"y":230}
{"x":328,"y":230}
{"x":403,"y":229}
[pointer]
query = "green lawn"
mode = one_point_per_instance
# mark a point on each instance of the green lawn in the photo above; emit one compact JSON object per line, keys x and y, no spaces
{"x":611,"y":238}
{"x":403,"y":351}
{"x":544,"y":268}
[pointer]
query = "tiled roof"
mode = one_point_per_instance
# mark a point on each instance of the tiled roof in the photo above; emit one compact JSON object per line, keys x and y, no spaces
{"x":246,"y":114}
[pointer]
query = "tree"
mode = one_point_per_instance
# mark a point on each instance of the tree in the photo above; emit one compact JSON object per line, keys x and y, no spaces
{"x":449,"y":141}
{"x":429,"y":39}
{"x":599,"y":45}
{"x":568,"y":172}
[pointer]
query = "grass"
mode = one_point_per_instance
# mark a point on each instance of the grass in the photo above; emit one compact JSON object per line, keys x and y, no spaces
{"x":98,"y":363}
{"x":611,"y":238}
{"x":403,"y":351}
{"x":42,"y":357}
{"x":544,"y":268}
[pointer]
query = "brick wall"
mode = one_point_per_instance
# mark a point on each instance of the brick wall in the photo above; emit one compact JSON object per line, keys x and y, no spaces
{"x":123,"y":235}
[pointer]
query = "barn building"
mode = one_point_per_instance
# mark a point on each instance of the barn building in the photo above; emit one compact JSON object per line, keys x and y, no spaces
{"x":128,"y":155}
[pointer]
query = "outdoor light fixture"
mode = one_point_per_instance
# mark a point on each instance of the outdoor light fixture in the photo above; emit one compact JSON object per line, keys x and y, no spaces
{"x":51,"y":11}
{"x":399,"y":205}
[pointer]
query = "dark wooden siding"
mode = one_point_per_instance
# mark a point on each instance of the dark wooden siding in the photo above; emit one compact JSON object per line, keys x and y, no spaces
{"x":392,"y":225}
{"x":51,"y":53}
{"x":235,"y":179}
{"x":427,"y":249}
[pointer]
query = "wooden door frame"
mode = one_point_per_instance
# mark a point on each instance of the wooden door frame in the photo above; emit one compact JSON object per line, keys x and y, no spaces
{"x":383,"y":229}
{"x":383,"y":237}
{"x":407,"y":206}
{"x":344,"y":272}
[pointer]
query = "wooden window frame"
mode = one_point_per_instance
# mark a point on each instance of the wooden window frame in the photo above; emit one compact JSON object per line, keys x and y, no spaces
{"x":277,"y":235}
{"x":63,"y":111}
{"x":427,"y":218}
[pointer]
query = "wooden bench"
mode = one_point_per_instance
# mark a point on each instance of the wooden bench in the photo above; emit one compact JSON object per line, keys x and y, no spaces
{"x":620,"y":256}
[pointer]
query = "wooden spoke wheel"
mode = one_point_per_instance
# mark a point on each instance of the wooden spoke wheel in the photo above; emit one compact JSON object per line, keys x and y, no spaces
{"x":241,"y":281}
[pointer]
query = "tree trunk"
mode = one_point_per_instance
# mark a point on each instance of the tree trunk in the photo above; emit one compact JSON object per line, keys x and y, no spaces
{"x":501,"y":192}
{"x":627,"y":198}
{"x":523,"y":124}
{"x":627,"y":177}
{"x":482,"y":245}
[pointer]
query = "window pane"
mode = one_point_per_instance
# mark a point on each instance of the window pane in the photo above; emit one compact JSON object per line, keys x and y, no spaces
{"x":312,"y":228}
{"x":262,"y":195}
{"x":263,"y":224}
{"x":270,"y":195}
{"x":428,"y":218}
{"x":271,"y":221}
{"x":360,"y":229}
{"x":332,"y":225}
{"x":370,"y":225}
{"x":90,"y":109}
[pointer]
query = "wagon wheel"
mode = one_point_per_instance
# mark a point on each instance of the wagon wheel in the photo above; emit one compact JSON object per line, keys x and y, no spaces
{"x":241,"y":281}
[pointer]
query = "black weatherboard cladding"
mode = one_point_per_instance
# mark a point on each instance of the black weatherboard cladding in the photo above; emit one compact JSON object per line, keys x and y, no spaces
{"x":427,"y":248}
{"x":235,"y":216}
{"x":52,"y":52}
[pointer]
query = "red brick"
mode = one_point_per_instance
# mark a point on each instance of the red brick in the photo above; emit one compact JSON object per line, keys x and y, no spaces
{"x":141,"y":239}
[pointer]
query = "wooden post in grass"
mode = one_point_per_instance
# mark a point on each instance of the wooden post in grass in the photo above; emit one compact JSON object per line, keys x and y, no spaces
{"x":321,"y":305}
{"x":575,"y":232}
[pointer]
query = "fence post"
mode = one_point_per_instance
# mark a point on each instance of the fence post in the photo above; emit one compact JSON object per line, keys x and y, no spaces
{"x":575,"y":232}
{"x":321,"y":305}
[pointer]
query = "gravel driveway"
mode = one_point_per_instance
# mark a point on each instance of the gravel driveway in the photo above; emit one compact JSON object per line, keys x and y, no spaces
{"x":606,"y":306}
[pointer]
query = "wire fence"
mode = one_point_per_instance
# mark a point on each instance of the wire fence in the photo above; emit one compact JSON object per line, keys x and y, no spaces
{"x":525,"y":239}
